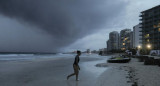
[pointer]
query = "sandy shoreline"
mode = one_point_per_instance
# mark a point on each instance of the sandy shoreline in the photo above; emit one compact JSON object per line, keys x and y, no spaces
{"x":139,"y":74}
{"x":50,"y":72}
{"x":53,"y":72}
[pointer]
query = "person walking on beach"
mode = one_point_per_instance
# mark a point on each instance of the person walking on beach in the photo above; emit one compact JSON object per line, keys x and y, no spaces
{"x":75,"y":66}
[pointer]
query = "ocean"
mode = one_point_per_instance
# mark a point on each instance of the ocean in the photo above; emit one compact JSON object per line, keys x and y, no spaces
{"x":23,"y":57}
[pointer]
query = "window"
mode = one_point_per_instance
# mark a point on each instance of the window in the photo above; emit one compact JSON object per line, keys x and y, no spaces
{"x":147,"y":35}
{"x":154,"y":26}
{"x":159,"y":29}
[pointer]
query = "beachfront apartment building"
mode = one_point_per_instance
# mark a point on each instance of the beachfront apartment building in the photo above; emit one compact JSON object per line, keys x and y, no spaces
{"x":88,"y":51}
{"x":131,"y":39}
{"x":125,"y":39}
{"x":137,"y":42}
{"x":113,"y":42}
{"x":108,"y":45}
{"x":150,"y":24}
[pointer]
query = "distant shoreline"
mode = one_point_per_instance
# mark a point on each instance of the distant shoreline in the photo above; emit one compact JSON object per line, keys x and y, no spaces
{"x":25,"y":53}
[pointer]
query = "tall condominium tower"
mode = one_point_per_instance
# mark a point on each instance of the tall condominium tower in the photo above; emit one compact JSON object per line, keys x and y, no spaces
{"x":150,"y":21}
{"x":125,"y":39}
{"x":113,"y":42}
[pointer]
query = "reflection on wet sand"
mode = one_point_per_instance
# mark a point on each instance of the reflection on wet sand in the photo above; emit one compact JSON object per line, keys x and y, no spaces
{"x":73,"y":84}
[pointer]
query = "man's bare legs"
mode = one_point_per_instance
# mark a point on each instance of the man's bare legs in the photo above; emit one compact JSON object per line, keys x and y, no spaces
{"x":70,"y":75}
{"x":76,"y":72}
{"x":77,"y":77}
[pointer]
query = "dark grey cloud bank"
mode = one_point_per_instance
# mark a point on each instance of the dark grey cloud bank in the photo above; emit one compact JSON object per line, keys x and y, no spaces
{"x":64,"y":21}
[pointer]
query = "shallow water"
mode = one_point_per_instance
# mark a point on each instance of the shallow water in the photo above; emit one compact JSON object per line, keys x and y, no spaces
{"x":19,"y":57}
{"x":90,"y":66}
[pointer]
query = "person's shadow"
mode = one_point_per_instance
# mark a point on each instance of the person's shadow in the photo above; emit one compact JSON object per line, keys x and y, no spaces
{"x":69,"y":84}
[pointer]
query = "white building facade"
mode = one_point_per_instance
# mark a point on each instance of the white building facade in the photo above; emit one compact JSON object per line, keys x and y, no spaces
{"x":137,"y":42}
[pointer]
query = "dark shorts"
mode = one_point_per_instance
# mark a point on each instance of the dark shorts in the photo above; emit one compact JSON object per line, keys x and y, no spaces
{"x":76,"y":69}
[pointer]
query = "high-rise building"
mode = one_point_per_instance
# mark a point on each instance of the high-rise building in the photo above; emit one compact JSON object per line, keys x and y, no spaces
{"x":108,"y":45}
{"x":137,"y":36}
{"x":150,"y":21}
{"x":125,"y":40}
{"x":131,"y":39}
{"x":113,"y":42}
{"x":88,"y":51}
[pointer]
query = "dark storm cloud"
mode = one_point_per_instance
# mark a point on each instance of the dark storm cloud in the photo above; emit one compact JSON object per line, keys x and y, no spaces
{"x":65,"y":20}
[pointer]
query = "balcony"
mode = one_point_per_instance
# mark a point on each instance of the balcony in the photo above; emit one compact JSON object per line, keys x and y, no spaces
{"x":156,"y":41}
{"x":140,"y":25}
{"x":156,"y":37}
{"x":140,"y":19}
{"x":140,"y":15}
{"x":140,"y":38}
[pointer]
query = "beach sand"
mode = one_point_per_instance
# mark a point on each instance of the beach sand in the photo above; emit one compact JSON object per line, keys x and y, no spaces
{"x":53,"y":72}
{"x":138,"y":73}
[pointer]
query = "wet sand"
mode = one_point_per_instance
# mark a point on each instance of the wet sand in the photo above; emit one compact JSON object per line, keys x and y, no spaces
{"x":94,"y":72}
{"x":53,"y":72}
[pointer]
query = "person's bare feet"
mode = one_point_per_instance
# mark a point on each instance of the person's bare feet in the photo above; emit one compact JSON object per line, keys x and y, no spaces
{"x":77,"y":79}
{"x":67,"y":77}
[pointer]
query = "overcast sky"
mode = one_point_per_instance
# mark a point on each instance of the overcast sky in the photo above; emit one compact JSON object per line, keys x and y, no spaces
{"x":62,"y":25}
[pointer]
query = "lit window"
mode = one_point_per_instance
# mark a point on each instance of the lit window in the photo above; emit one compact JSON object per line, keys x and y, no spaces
{"x":159,"y":29}
{"x":122,"y":48}
{"x":125,"y":39}
{"x":147,"y":35}
{"x":158,"y":25}
{"x":148,"y":46}
{"x":154,"y":26}
{"x":139,"y":46}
